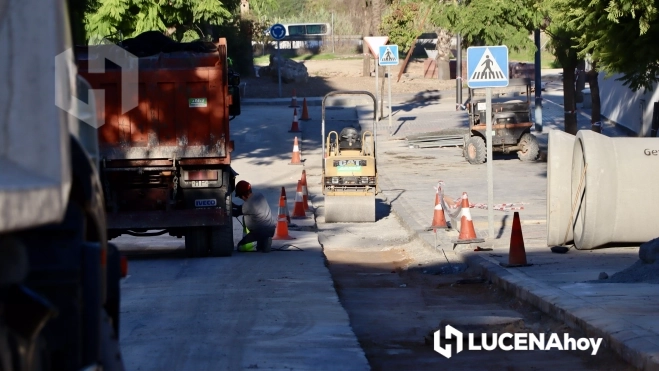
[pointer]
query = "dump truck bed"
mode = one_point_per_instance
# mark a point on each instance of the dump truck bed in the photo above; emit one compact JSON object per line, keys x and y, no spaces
{"x":182,"y":107}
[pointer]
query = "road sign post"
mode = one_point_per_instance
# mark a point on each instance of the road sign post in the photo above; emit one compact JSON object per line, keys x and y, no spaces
{"x":373,"y":43}
{"x":487,"y":67}
{"x":278,"y":32}
{"x":389,"y":83}
{"x":388,"y":56}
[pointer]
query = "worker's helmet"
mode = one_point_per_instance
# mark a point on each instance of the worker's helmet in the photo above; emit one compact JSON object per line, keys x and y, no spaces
{"x":243,"y":188}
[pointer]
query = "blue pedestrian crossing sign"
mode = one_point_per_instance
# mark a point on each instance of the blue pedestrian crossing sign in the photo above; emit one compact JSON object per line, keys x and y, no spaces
{"x":487,"y":66}
{"x":388,"y":55}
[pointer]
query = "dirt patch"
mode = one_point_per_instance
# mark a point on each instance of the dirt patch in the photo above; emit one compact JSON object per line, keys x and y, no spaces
{"x":345,"y":74}
{"x":392,"y":309}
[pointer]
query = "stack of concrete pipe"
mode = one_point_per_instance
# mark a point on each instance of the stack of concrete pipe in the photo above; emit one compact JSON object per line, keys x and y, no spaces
{"x":617,"y":202}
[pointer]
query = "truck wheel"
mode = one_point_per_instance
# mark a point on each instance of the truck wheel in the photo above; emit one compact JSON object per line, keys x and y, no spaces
{"x":221,"y":241}
{"x":221,"y":238}
{"x":474,"y":150}
{"x":196,"y":242}
{"x":529,"y":148}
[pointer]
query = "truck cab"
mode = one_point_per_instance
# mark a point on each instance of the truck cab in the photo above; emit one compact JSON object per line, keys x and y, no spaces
{"x":59,"y":277}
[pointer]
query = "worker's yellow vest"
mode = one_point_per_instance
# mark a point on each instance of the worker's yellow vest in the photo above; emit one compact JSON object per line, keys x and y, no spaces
{"x":250,"y":246}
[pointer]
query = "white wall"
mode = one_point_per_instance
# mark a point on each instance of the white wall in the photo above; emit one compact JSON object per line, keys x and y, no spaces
{"x":630,"y":109}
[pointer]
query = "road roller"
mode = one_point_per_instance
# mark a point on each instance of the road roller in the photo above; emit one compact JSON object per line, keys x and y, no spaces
{"x":349,"y":169}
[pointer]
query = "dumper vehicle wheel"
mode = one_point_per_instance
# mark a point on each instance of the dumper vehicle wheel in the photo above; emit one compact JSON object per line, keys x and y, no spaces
{"x":529,"y":148}
{"x":221,"y":241}
{"x":474,"y":150}
{"x":196,"y":242}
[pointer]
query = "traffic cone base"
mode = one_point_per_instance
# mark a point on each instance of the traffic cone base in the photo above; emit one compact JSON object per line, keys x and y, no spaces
{"x":295,"y":128}
{"x":305,"y":111}
{"x":295,"y":158}
{"x":467,"y":231}
{"x":517,"y":253}
{"x":281,"y":232}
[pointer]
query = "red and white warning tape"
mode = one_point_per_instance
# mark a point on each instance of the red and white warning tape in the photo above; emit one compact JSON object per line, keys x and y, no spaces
{"x":455,"y":209}
{"x":500,"y":207}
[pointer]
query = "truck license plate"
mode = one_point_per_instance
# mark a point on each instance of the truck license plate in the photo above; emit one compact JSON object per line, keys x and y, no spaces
{"x":199,"y":183}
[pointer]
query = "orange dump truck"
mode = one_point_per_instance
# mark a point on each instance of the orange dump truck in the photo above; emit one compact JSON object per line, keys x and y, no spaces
{"x":166,"y":161}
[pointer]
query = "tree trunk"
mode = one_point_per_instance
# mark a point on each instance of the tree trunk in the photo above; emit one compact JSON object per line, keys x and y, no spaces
{"x":580,"y":81}
{"x":596,"y":117}
{"x":366,"y":72}
{"x":443,"y":54}
{"x":569,"y":103}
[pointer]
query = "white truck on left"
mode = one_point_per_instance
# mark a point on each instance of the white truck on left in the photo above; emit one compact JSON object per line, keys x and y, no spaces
{"x":59,"y":277}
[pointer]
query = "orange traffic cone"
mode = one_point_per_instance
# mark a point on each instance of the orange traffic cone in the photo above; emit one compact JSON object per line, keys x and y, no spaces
{"x":288,"y":215}
{"x":305,"y":192}
{"x":305,"y":111}
{"x":438,"y":218}
{"x":295,"y":159}
{"x":467,"y":231}
{"x":281,"y":232}
{"x":517,"y":253}
{"x":295,"y":128}
{"x":298,"y":209}
{"x":294,"y":101}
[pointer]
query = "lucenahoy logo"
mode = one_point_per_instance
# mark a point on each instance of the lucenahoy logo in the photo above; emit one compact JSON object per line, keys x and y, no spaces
{"x":520,"y":341}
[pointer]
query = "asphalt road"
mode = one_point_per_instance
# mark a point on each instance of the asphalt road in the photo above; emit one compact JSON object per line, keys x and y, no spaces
{"x":349,"y":297}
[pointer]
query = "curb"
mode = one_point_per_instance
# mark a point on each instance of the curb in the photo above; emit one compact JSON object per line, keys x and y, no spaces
{"x":632,"y":343}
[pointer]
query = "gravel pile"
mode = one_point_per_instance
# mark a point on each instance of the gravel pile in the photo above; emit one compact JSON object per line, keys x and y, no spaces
{"x":639,"y":272}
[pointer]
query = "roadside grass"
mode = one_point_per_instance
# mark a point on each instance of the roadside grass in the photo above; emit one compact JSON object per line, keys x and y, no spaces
{"x":528,"y":55}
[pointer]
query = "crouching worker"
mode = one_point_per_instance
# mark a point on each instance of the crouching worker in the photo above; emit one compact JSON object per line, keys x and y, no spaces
{"x":257,"y":216}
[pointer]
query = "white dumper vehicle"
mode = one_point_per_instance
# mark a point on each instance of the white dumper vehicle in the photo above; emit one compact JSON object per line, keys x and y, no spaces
{"x":59,"y":278}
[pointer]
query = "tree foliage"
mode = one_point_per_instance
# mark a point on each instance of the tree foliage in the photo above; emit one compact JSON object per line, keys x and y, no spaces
{"x":260,"y":9}
{"x":128,"y":18}
{"x":620,"y":35}
{"x":403,"y":23}
{"x":487,"y":22}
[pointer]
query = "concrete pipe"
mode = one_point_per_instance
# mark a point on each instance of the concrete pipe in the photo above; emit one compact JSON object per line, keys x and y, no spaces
{"x":559,"y":175}
{"x":617,"y":202}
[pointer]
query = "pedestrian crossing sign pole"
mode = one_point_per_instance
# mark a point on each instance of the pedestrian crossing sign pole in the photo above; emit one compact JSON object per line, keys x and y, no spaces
{"x":388,"y":56}
{"x":487,"y":67}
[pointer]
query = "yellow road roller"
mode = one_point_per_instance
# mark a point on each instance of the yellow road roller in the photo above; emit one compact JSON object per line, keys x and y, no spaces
{"x":349,"y":169}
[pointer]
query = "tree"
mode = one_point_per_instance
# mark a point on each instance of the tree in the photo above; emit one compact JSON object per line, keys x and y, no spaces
{"x":403,"y":23}
{"x":486,"y":22}
{"x":116,"y":19}
{"x":264,"y":8}
{"x":619,"y":34}
{"x":372,"y":16}
{"x":564,"y":47}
